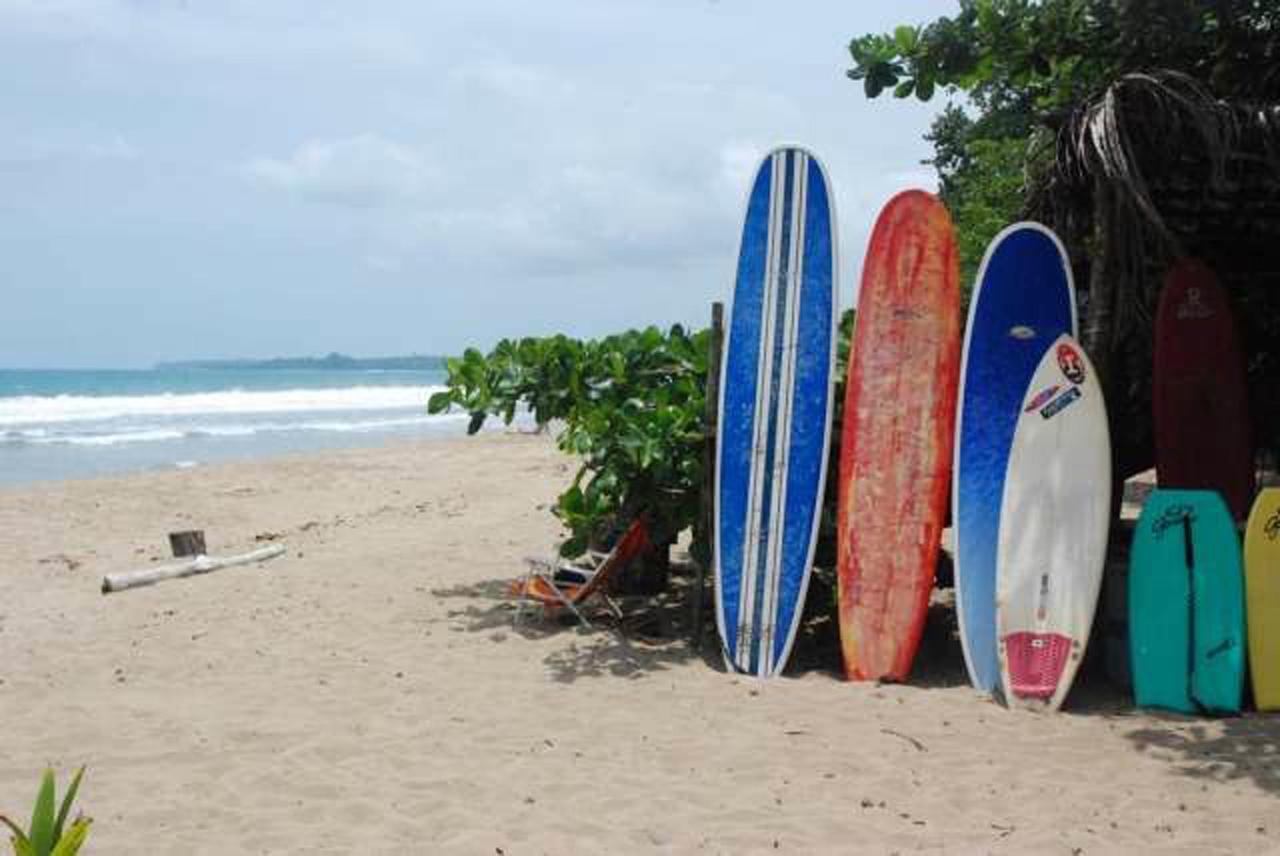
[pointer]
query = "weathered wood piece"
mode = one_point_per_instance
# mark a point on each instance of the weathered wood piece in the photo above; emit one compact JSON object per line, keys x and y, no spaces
{"x":191,"y":567}
{"x":187,"y":543}
{"x":715,"y":346}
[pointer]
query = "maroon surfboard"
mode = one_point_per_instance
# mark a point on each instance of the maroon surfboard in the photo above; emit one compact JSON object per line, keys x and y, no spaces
{"x":1204,"y":438}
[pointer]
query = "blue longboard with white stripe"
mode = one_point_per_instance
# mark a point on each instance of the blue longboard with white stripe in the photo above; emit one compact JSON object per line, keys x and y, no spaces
{"x":1024,"y":299}
{"x":775,"y":410}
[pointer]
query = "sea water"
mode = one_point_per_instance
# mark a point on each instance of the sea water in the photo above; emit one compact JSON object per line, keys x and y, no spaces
{"x":58,"y":424}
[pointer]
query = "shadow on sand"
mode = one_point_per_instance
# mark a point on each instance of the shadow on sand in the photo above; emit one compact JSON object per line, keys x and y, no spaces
{"x":1236,"y":749}
{"x":652,"y":636}
{"x":656,"y":633}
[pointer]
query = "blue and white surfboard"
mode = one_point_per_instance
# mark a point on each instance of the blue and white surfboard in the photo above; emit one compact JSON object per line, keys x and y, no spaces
{"x":775,"y":410}
{"x":1023,"y":300}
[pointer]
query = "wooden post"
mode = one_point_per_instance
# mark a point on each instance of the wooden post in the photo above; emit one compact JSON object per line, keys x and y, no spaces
{"x":715,"y":345}
{"x":1098,"y":335}
{"x":188,"y":543}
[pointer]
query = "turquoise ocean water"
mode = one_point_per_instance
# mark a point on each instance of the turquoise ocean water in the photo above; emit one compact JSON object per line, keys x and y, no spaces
{"x":60,"y":424}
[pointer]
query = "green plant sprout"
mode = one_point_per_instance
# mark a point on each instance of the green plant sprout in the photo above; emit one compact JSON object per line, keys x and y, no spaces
{"x":45,"y":836}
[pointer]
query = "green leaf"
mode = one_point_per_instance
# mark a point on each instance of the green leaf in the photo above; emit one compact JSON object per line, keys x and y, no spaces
{"x":574,"y":547}
{"x":924,"y":88}
{"x":66,"y":804}
{"x":19,"y":837}
{"x":74,"y":840}
{"x":477,"y":420}
{"x":904,"y":89}
{"x":905,"y":38}
{"x":439,"y":402}
{"x":41,"y":829}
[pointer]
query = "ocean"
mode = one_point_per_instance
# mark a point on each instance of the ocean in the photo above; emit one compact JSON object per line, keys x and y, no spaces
{"x":62,"y":424}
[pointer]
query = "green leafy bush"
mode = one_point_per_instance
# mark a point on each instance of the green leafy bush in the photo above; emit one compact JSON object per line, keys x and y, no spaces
{"x":632,"y":410}
{"x":46,"y":835}
{"x":631,"y":406}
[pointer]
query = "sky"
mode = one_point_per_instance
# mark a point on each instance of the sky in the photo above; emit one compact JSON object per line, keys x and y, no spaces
{"x":246,"y":178}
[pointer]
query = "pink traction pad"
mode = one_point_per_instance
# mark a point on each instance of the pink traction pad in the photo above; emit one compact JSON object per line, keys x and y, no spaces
{"x":1036,"y":661}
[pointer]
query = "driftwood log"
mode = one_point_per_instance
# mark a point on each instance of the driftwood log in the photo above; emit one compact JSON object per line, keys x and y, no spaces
{"x":191,"y":567}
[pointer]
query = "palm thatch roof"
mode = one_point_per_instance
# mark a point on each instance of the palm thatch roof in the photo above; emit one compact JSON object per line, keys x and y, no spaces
{"x":1154,"y":169}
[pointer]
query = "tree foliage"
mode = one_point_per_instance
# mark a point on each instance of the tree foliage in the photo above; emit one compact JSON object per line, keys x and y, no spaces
{"x":632,"y":409}
{"x":1024,"y":65}
{"x":982,"y":182}
{"x":1041,"y":57}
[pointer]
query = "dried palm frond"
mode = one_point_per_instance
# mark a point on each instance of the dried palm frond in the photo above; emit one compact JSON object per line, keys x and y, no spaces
{"x":1154,"y":168}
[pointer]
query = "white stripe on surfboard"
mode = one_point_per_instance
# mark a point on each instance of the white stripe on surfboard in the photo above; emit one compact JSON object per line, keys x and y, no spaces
{"x":764,"y":376}
{"x":768,"y":533}
{"x":782,"y":419}
{"x":832,"y":328}
{"x":786,"y":393}
{"x":765,"y":580}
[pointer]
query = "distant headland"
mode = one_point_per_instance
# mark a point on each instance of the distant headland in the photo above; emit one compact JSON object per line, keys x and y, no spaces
{"x":331,"y":362}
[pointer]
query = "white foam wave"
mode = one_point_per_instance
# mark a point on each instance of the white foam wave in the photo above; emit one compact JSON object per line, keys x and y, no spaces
{"x":343,"y":426}
{"x":146,"y":436}
{"x":40,"y":437}
{"x":44,"y":410}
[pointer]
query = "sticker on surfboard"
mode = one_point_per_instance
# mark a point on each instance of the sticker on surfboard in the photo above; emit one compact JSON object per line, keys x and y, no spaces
{"x":1061,"y":403}
{"x":1070,"y":363}
{"x":1042,"y":398}
{"x":1174,"y":515}
{"x":1272,"y":530}
{"x":1193,"y":307}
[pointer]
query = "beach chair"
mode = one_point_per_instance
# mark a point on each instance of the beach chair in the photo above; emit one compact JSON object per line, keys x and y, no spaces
{"x":557,"y":586}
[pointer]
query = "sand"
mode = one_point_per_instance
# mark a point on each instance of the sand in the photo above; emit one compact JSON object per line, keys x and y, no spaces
{"x":367,"y":693}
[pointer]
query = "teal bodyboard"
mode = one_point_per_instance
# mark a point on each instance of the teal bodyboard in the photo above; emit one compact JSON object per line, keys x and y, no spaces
{"x":1186,"y":605}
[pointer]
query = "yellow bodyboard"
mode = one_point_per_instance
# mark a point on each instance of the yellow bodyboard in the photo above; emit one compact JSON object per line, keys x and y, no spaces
{"x":1262,"y":596}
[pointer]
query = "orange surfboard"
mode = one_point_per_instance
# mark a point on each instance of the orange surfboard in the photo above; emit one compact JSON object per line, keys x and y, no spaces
{"x":899,"y":419}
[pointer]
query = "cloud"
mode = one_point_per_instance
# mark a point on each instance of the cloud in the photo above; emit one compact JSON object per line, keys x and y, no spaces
{"x":383,"y":263}
{"x":227,"y":32}
{"x":364,"y":171}
{"x":114,"y":149}
{"x":738,"y":163}
{"x":484,"y":152}
{"x":36,"y":152}
{"x":508,"y":80}
{"x":599,"y":211}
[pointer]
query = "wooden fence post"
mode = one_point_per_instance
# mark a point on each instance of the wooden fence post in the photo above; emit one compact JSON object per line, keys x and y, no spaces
{"x":715,"y":345}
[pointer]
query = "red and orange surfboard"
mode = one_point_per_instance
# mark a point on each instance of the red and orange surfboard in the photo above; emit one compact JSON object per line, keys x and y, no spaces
{"x":896,"y":445}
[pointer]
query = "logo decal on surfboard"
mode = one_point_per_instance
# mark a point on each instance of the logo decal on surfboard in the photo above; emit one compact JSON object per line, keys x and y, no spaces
{"x":1193,"y":308}
{"x":1172,"y":516}
{"x":1272,"y":529}
{"x":1061,"y":403}
{"x":1070,"y":363}
{"x":1041,"y":398}
{"x":1221,"y":648}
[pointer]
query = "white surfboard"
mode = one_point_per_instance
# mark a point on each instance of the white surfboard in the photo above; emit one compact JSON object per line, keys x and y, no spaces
{"x":1054,"y":517}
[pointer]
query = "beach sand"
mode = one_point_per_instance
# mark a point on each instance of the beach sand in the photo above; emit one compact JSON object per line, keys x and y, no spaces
{"x":367,"y":693}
